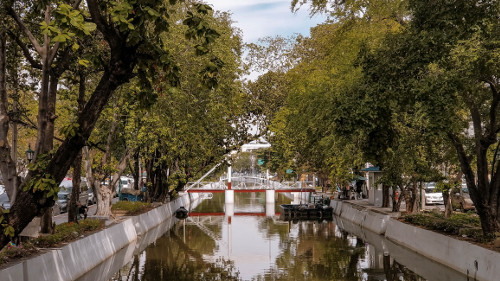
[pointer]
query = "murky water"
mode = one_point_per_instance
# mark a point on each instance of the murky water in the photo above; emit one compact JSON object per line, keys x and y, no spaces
{"x":252,"y":246}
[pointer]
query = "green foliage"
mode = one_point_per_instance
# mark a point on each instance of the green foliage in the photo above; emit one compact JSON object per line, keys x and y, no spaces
{"x":8,"y":230}
{"x":445,"y":187}
{"x":68,"y":25}
{"x":67,"y":232}
{"x":41,"y":182}
{"x":14,"y":252}
{"x":131,"y":208}
{"x":70,"y":130}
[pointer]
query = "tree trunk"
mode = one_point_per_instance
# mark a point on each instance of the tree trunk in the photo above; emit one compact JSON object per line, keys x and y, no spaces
{"x":46,"y":221}
{"x":93,"y":182}
{"x":104,"y":197}
{"x":486,"y":194}
{"x":75,"y":193}
{"x":385,"y":196}
{"x":8,"y":166}
{"x":448,"y":209}
{"x":77,"y":165}
{"x":15,"y":106}
{"x":45,"y":142}
{"x":396,"y":200}
{"x":137,"y":171}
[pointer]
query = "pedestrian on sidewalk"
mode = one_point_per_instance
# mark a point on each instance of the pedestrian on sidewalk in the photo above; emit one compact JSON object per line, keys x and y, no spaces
{"x":358,"y":191}
{"x":82,"y":211}
{"x":346,"y":192}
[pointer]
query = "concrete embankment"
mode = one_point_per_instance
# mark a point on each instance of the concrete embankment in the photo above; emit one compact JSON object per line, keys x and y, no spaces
{"x":476,"y":262}
{"x":92,"y":253}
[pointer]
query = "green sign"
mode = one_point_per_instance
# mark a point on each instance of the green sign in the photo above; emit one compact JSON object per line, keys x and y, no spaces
{"x":261,"y":162}
{"x":289,"y":171}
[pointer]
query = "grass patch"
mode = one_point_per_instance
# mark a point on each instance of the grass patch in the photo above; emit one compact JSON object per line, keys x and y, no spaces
{"x":131,"y":208}
{"x":460,"y":224}
{"x":66,"y":232}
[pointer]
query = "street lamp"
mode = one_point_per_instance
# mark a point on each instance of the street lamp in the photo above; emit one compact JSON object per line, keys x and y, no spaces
{"x":29,"y":153}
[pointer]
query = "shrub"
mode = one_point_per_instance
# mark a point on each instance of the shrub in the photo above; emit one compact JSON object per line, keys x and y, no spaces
{"x":436,"y":221}
{"x":69,"y":231}
{"x":13,"y":252}
{"x":131,"y":208}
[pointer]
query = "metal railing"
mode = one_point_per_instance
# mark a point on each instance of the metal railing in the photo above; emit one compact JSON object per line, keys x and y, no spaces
{"x":249,"y":182}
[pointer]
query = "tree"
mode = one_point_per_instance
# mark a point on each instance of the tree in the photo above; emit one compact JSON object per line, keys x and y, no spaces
{"x":323,"y":125}
{"x":129,"y":32}
{"x":454,"y":77}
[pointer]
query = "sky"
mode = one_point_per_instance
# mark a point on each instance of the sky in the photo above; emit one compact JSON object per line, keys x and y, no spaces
{"x":260,"y":18}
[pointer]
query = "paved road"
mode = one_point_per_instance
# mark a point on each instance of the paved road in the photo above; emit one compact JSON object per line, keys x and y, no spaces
{"x":62,"y":218}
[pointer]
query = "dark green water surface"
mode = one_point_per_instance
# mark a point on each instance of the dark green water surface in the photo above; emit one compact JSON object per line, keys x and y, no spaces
{"x":249,"y":245}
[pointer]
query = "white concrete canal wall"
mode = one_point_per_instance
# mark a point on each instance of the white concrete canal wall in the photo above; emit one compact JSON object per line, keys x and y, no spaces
{"x":366,"y":218}
{"x":77,"y":258}
{"x":476,"y":262}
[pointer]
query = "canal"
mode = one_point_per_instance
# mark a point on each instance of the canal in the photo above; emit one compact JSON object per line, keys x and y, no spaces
{"x":252,"y":246}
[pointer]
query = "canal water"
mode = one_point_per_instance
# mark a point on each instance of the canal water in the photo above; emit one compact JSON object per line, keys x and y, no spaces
{"x":249,"y":245}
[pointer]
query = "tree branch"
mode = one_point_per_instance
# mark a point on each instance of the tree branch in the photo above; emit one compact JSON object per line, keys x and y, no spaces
{"x":99,"y":20}
{"x":25,"y":50}
{"x":26,"y":31}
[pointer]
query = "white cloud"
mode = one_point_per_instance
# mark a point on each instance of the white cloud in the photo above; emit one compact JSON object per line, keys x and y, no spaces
{"x":260,"y":18}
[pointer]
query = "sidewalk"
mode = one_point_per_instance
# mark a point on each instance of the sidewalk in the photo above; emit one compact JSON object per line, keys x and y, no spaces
{"x":363,"y":203}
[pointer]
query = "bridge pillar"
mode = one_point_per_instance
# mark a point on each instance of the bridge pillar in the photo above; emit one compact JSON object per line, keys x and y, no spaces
{"x":229,"y":210}
{"x":270,"y":196}
{"x":229,"y":196}
{"x":296,"y":197}
{"x":270,"y":209}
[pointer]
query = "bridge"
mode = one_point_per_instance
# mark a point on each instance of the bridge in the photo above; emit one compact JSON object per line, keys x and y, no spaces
{"x":229,"y":184}
{"x":248,"y":183}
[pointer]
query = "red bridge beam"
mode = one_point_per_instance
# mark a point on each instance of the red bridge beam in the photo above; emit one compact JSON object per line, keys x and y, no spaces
{"x":252,"y":214}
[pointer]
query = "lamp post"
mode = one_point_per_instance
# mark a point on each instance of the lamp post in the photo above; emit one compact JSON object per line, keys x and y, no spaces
{"x":29,"y":153}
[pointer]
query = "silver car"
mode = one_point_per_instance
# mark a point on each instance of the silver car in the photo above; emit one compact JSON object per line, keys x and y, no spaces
{"x":432,"y":196}
{"x":4,"y":201}
{"x":66,"y":187}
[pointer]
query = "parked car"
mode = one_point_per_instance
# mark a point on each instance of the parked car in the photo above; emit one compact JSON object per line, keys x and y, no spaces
{"x":92,"y":199}
{"x":66,"y":188}
{"x":460,"y":200}
{"x":124,"y":182}
{"x":62,"y":201}
{"x":432,"y":196}
{"x":5,"y":204}
{"x":4,"y":201}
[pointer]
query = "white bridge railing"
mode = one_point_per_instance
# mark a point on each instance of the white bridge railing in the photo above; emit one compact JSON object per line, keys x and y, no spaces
{"x":249,"y":182}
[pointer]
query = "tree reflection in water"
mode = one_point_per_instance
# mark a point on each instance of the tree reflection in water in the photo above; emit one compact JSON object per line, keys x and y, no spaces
{"x":171,"y":259}
{"x":301,"y":250}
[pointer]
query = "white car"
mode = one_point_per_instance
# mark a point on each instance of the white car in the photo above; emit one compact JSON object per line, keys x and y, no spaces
{"x":432,"y":196}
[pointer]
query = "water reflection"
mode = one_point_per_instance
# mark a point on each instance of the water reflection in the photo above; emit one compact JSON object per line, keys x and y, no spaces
{"x":248,"y":245}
